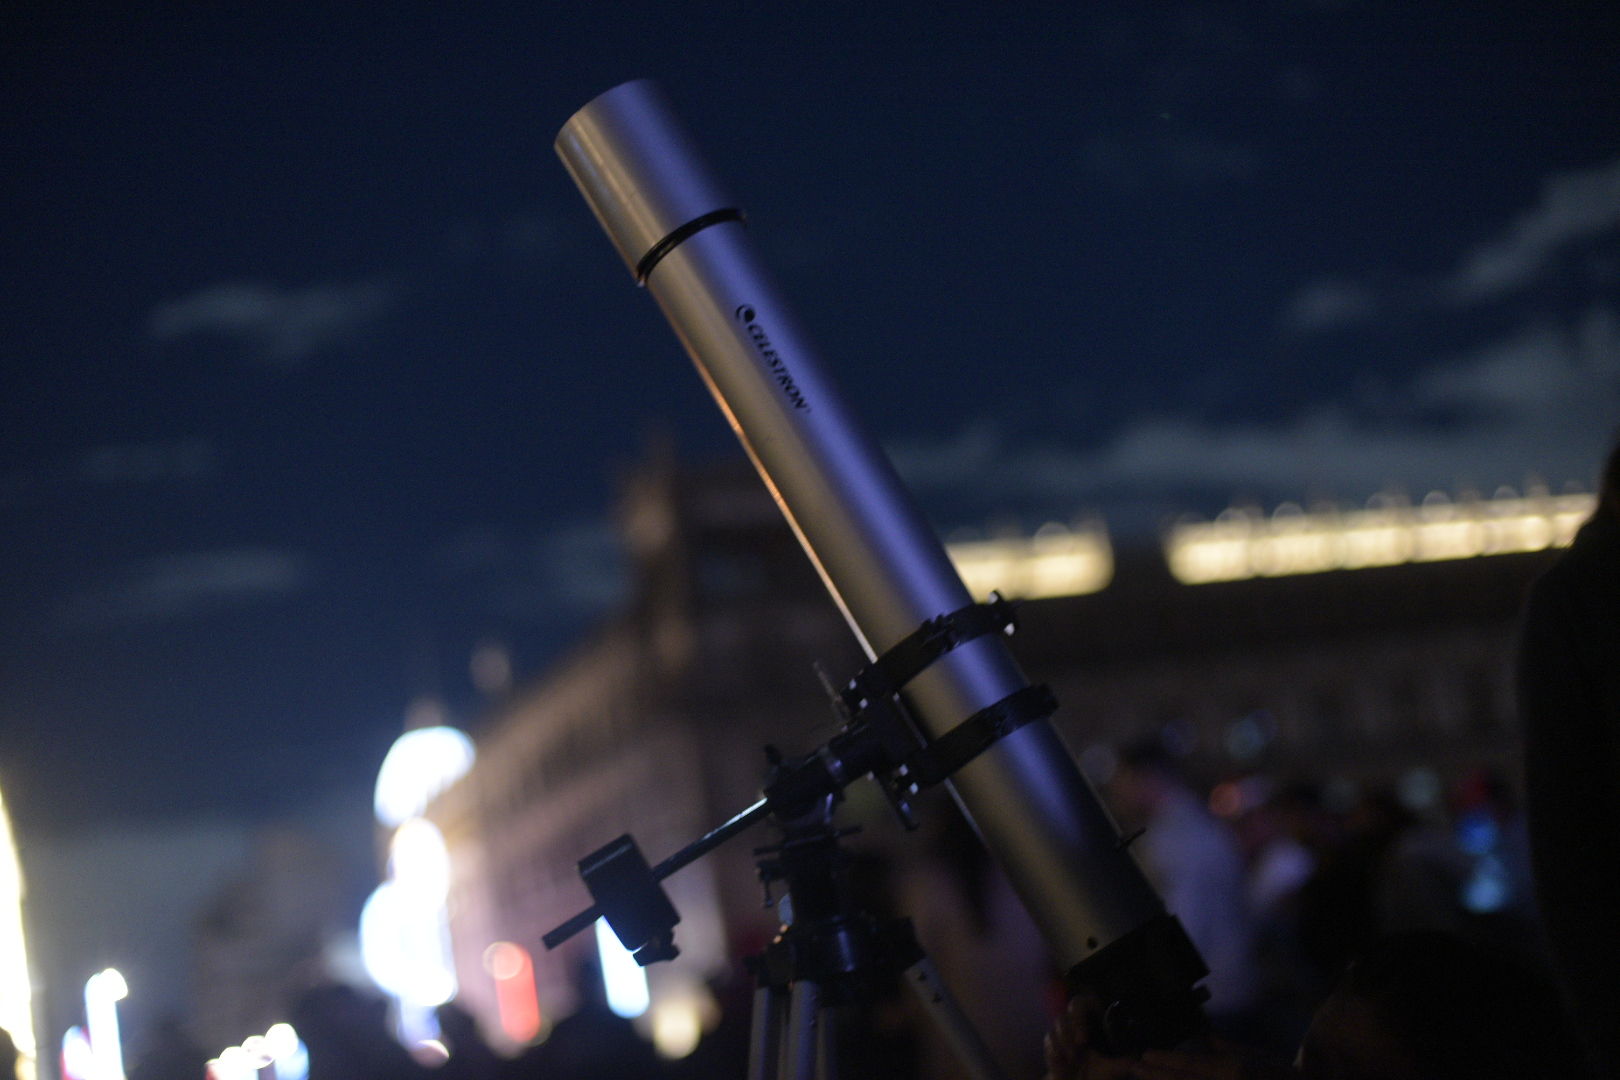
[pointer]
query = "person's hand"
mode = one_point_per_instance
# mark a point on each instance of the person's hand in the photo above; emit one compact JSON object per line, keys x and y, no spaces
{"x":1070,"y":1054}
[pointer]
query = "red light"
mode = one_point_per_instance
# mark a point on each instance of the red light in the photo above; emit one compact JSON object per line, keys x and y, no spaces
{"x":515,"y":997}
{"x":1226,"y":800}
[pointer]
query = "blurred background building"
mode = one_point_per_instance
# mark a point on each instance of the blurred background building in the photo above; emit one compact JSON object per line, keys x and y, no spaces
{"x":1390,"y":677}
{"x":654,"y":726}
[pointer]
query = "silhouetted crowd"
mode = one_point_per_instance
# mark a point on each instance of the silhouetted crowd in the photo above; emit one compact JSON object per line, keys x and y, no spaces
{"x":1348,"y":929}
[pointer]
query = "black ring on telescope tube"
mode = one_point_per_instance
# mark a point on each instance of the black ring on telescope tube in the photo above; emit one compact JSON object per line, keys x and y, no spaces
{"x":681,"y":235}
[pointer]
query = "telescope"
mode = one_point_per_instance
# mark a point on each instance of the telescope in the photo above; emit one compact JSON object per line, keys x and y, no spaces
{"x":940,"y":677}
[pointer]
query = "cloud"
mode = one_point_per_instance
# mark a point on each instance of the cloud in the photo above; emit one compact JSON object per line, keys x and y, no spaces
{"x":146,"y":463}
{"x":282,"y":327}
{"x":179,"y":586}
{"x":115,"y":464}
{"x":1329,"y":305}
{"x":1546,"y":400}
{"x":574,"y":569}
{"x":1541,"y":372}
{"x":1574,"y":206}
{"x":529,"y":236}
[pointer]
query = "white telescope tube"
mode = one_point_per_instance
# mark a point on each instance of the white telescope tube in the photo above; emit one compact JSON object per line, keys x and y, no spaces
{"x":683,"y":237}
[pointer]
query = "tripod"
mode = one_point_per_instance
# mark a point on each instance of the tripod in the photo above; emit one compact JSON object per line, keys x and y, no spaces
{"x":828,"y":954}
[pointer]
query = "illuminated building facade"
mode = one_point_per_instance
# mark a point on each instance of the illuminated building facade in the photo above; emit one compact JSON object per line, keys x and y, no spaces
{"x":1240,"y":544}
{"x":1348,"y":675}
{"x":654,"y":725}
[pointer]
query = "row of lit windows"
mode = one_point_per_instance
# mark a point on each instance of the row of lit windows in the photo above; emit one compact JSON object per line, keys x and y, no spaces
{"x":1063,"y":561}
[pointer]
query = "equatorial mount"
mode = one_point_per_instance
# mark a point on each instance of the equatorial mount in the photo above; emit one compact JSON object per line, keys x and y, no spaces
{"x":878,"y":738}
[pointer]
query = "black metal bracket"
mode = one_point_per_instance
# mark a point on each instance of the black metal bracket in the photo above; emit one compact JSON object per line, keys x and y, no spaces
{"x":973,"y":736}
{"x":630,"y":898}
{"x":878,"y":739}
{"x":873,"y":712}
{"x":917,"y":651}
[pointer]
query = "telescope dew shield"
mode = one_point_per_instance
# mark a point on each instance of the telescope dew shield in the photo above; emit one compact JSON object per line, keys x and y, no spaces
{"x":683,"y":237}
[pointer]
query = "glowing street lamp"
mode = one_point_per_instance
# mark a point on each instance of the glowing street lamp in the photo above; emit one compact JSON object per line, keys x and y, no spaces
{"x":404,"y":927}
{"x":421,"y":765}
{"x":100,"y":1054}
{"x":16,"y":990}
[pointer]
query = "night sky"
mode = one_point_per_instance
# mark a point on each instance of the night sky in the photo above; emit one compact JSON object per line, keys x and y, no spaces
{"x":317,"y":372}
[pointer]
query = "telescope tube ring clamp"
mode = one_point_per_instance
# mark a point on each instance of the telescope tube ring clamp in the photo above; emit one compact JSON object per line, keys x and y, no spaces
{"x":973,"y":736}
{"x":917,"y":651}
{"x":869,"y":697}
{"x":679,"y":236}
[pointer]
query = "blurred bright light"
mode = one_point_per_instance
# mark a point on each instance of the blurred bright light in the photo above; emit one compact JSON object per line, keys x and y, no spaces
{"x":405,"y":928}
{"x":259,"y":1054}
{"x":1419,"y":790}
{"x":16,"y":990}
{"x":405,"y":946}
{"x":1056,"y":561}
{"x":112,"y":984}
{"x":280,"y":1046}
{"x":516,"y":999}
{"x":420,"y":863}
{"x":419,"y":767}
{"x":417,"y":1029}
{"x":677,"y":1026}
{"x":281,"y":1041}
{"x":1239,"y":544}
{"x":78,"y":1061}
{"x":623,"y":979}
{"x":234,"y":1063}
{"x":102,"y":993}
{"x":295,"y":1066}
{"x":1486,"y":889}
{"x":429,"y":1053}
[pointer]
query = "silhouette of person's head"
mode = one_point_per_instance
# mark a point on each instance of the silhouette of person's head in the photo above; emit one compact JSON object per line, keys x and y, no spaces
{"x":1609,"y":488}
{"x":1426,"y":1005}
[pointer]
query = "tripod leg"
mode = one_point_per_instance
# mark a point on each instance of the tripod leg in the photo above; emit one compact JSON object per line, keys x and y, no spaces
{"x":803,"y":1031}
{"x":947,"y":1015}
{"x":765,"y":1038}
{"x":827,"y":1046}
